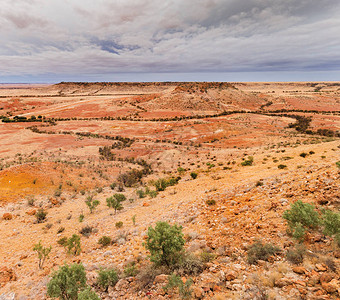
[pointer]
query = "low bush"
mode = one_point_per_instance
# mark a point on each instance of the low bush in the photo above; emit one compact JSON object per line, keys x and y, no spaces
{"x":86,"y":231}
{"x":41,"y":215}
{"x":106,"y":278}
{"x":114,"y":203}
{"x":210,"y":202}
{"x":88,"y":294}
{"x":188,"y":264}
{"x":193,"y":175}
{"x":248,"y":162}
{"x":67,"y":282}
{"x":119,"y":224}
{"x":184,"y":289}
{"x":105,"y":241}
{"x":295,"y":255}
{"x":165,"y":243}
{"x":42,"y":252}
{"x":73,"y":245}
{"x":282,"y":166}
{"x":260,"y":251}
{"x":91,"y":203}
{"x":130,"y":270}
{"x":162,"y":183}
{"x":300,"y":217}
{"x":331,"y":222}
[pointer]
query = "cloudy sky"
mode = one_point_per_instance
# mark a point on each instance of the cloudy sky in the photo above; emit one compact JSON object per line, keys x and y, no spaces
{"x":146,"y":40}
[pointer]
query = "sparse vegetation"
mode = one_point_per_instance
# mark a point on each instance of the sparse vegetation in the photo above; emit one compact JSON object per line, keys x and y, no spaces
{"x":301,"y":217}
{"x":73,"y":245}
{"x":67,"y":282}
{"x":106,"y":278}
{"x":184,"y":288}
{"x":41,"y":215}
{"x":42,"y":252}
{"x":105,"y":241}
{"x":260,"y":251}
{"x":248,"y":162}
{"x":91,"y":203}
{"x":165,"y":243}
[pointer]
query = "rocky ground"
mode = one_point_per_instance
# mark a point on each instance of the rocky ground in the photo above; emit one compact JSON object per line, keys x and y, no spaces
{"x":223,"y":211}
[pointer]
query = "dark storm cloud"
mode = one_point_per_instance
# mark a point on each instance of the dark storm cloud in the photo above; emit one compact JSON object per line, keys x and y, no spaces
{"x":103,"y":37}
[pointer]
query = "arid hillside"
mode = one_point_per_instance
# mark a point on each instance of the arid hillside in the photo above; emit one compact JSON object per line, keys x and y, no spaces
{"x":250,"y":171}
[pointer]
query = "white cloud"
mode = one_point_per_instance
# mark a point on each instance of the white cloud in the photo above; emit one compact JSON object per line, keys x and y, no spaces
{"x":102,"y":37}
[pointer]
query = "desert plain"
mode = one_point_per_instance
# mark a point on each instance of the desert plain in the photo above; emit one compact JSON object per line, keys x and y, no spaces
{"x":240,"y":155}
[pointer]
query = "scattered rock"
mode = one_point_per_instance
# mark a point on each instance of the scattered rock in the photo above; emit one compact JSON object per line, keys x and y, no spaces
{"x":331,"y":287}
{"x":299,"y":270}
{"x":7,"y":216}
{"x":6,"y":275}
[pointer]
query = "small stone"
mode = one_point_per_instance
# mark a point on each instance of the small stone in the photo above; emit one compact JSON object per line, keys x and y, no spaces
{"x":122,"y":285}
{"x":161,"y":278}
{"x":320,"y":268}
{"x":7,"y":216}
{"x":230,"y":276}
{"x":198,"y":292}
{"x":326,"y":277}
{"x":299,"y":270}
{"x":282,"y":282}
{"x":107,"y":253}
{"x":331,"y":287}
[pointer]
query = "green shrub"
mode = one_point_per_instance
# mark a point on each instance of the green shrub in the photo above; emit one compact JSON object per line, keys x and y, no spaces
{"x":303,"y":154}
{"x":119,"y":224}
{"x":331,"y":222}
{"x":338,"y":164}
{"x":113,"y":185}
{"x":91,"y":203}
{"x":193,"y":175}
{"x":130,"y":270}
{"x":260,"y":251}
{"x":282,"y":166}
{"x":300,"y":217}
{"x":86,"y":231}
{"x":73,"y":245}
{"x":188,"y":264}
{"x":165,"y":243}
{"x":206,"y":256}
{"x":296,"y":255}
{"x":114,"y":203}
{"x":259,"y":183}
{"x":184,"y":289}
{"x":67,"y":282}
{"x":140,"y":194}
{"x":153,"y":194}
{"x":162,"y":183}
{"x":248,"y":162}
{"x":106,"y":278}
{"x":42,"y":252}
{"x":180,"y":170}
{"x":63,"y":241}
{"x":88,"y":294}
{"x":81,"y":218}
{"x":119,"y":197}
{"x":41,"y":215}
{"x":105,"y":241}
{"x":210,"y":202}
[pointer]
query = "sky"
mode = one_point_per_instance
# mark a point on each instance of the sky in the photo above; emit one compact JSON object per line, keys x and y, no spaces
{"x":169,"y":40}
